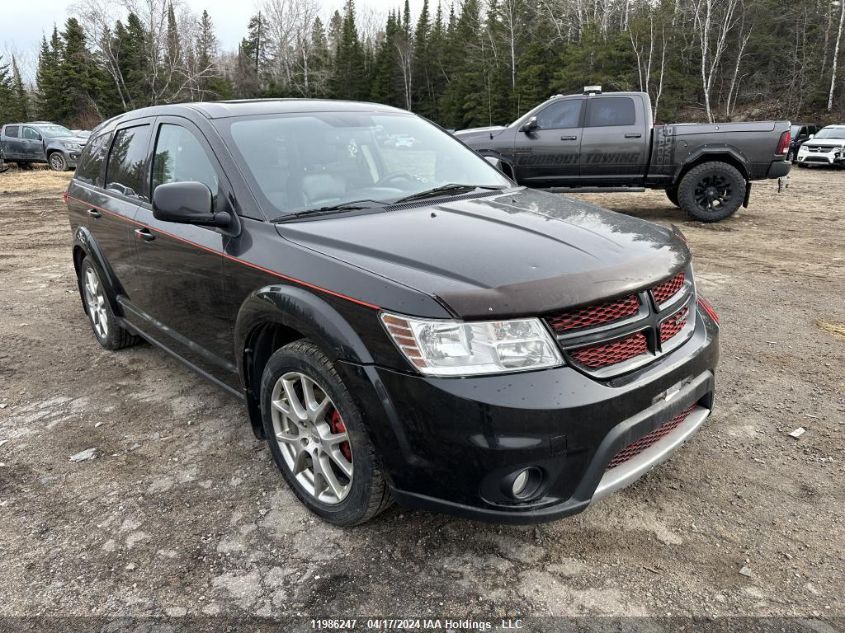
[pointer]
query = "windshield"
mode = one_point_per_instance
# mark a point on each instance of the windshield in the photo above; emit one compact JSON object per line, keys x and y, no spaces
{"x":54,"y":131}
{"x":312,"y":160}
{"x":831,"y":132}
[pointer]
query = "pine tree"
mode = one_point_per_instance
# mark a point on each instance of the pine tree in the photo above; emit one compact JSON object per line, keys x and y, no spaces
{"x":173,"y":52}
{"x":47,"y":79}
{"x":76,"y":77}
{"x":349,"y":80}
{"x":206,"y":47}
{"x":19,"y":98}
{"x":7,"y":113}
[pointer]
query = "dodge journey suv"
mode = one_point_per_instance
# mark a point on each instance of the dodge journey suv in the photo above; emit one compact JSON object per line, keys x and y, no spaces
{"x":401,"y":320}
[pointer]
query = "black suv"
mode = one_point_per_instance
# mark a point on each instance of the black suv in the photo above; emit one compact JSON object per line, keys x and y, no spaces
{"x":401,"y":320}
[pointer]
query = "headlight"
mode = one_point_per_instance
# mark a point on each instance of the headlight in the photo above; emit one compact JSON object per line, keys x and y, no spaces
{"x":458,"y":348}
{"x":72,"y":146}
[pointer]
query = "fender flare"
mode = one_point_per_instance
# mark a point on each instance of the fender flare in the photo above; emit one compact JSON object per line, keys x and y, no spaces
{"x":300,"y":310}
{"x":84,"y":240}
{"x":713,"y":151}
{"x":493,"y":157}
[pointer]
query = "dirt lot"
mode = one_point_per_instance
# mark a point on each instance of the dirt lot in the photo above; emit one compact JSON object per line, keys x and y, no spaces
{"x":182,"y":512}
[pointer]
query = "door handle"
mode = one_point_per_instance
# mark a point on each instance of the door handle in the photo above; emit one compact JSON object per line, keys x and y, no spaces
{"x":94,"y":213}
{"x":633,"y":135}
{"x":568,"y":138}
{"x":144,"y":234}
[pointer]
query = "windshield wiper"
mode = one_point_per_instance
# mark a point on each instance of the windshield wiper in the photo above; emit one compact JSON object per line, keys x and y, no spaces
{"x":354,"y":205}
{"x":451,"y":188}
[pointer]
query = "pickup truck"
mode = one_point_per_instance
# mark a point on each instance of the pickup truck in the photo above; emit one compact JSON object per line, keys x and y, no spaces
{"x":40,"y":142}
{"x":607,"y":142}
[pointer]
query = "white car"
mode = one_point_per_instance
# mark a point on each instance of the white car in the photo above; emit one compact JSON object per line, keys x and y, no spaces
{"x":825,"y":148}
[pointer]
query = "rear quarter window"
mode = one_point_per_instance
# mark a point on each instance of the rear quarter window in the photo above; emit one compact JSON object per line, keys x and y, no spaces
{"x":90,"y":168}
{"x":610,"y":111}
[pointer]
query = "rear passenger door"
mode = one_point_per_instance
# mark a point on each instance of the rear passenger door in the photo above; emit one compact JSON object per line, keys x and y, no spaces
{"x":179,"y":284}
{"x":111,"y":209}
{"x":616,"y":141}
{"x":548,"y":155}
{"x":11,"y":142}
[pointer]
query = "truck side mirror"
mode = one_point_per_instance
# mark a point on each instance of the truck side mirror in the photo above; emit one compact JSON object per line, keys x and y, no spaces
{"x":811,"y":136}
{"x":529,"y":125}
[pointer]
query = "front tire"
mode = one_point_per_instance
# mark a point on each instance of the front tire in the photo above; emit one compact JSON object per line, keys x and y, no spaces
{"x":108,"y":332}
{"x":317,"y":437}
{"x":711,"y":191}
{"x":57,"y":161}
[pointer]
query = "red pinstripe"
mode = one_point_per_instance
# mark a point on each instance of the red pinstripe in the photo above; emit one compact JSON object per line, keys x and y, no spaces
{"x":306,"y":284}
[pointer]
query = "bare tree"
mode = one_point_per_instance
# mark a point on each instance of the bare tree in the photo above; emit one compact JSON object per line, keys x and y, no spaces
{"x":835,"y":55}
{"x":713,"y":20}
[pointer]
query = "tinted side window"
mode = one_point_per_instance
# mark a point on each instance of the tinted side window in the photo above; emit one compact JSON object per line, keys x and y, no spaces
{"x":608,"y":111}
{"x":128,"y":157}
{"x":180,"y":157}
{"x":11,"y":131}
{"x":31,"y":133}
{"x":561,"y":114}
{"x":92,"y":159}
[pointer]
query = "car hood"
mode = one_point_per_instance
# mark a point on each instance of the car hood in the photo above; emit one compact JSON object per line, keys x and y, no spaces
{"x":68,"y":139}
{"x":825,"y":142}
{"x":474,"y":132}
{"x":515,"y":253}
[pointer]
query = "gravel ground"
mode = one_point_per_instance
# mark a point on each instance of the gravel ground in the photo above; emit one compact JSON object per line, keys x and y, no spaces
{"x":182,"y":512}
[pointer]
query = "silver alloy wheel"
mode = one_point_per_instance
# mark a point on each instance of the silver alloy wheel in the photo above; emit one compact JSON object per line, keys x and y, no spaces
{"x":95,"y":300}
{"x":302,"y":422}
{"x":57,"y":162}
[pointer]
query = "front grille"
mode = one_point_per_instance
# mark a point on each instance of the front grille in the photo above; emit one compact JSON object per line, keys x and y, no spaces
{"x":638,"y":446}
{"x":668,"y":289}
{"x":674,"y":324}
{"x":635,"y":326}
{"x":612,"y":353}
{"x":592,"y":315}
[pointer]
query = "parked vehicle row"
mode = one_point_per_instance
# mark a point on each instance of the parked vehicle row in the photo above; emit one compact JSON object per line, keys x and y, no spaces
{"x":607,"y":140}
{"x":827,"y":147}
{"x":400,"y":319}
{"x":41,"y":142}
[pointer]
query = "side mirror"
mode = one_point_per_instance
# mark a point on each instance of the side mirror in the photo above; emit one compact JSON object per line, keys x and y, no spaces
{"x":187,"y":203}
{"x":529,"y":125}
{"x":811,"y":136}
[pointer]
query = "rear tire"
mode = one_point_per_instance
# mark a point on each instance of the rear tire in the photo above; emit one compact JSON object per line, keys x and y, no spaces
{"x":57,"y":161}
{"x":711,"y":191}
{"x":108,"y":332}
{"x":305,"y":409}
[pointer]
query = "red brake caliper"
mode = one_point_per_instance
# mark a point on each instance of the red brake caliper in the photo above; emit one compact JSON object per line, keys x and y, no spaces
{"x":336,"y":422}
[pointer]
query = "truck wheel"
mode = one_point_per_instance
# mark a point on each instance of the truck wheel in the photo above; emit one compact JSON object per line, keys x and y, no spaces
{"x":672,"y":194}
{"x":57,"y":161}
{"x":711,"y":191}
{"x":317,"y":437}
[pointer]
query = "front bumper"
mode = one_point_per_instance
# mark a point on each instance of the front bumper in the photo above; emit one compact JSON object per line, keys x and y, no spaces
{"x":452,"y":444}
{"x":833,"y":157}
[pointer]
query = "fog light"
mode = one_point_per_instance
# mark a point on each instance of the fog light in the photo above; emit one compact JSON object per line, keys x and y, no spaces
{"x":520,"y":483}
{"x":524,"y":483}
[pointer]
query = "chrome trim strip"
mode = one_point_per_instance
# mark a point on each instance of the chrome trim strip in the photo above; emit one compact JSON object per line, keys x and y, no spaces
{"x":627,"y":473}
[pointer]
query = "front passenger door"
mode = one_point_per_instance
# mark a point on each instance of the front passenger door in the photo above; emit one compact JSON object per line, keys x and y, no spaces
{"x":547,"y":155}
{"x":32,"y":144}
{"x":180,"y":265}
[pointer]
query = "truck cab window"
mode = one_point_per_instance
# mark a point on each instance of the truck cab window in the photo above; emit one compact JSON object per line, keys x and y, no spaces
{"x":610,"y":111}
{"x":31,"y":134}
{"x":11,"y":131}
{"x":560,"y":115}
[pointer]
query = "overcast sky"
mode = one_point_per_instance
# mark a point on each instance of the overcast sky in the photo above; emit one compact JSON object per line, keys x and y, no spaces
{"x":23,"y":22}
